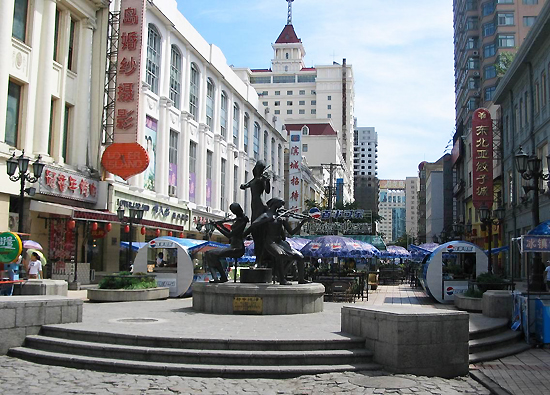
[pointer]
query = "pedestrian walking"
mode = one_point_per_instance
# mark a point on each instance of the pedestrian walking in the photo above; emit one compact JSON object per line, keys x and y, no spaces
{"x":35,"y":266}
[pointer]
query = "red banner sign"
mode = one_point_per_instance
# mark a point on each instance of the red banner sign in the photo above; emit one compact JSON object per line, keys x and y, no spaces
{"x":482,"y":159}
{"x":128,"y":90}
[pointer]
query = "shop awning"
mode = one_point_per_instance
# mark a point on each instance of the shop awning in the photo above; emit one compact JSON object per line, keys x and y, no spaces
{"x":85,"y":214}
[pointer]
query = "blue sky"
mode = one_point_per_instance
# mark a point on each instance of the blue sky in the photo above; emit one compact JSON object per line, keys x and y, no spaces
{"x":401,"y":52}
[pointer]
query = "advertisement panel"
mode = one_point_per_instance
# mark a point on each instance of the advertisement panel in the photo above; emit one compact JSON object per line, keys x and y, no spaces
{"x":150,"y":147}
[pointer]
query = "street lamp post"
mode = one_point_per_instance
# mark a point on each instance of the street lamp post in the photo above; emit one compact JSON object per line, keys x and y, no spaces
{"x":21,"y":164}
{"x":489,"y":219}
{"x":530,"y":168}
{"x":135,"y":216}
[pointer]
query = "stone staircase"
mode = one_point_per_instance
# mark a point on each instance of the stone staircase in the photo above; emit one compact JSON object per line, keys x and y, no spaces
{"x":122,"y":353}
{"x":495,"y":341}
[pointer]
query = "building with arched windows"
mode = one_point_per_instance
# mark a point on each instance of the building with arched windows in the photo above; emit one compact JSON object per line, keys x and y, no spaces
{"x":202,"y":127}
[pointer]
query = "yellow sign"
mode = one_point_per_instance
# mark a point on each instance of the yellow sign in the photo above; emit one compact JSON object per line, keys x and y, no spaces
{"x":248,"y":304}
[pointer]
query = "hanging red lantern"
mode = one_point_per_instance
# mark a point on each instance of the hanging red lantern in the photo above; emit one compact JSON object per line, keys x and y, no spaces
{"x":71,"y":224}
{"x":182,"y":235}
{"x":108,"y":227}
{"x":143,"y":230}
{"x":94,"y":226}
{"x":158,"y":232}
{"x":127,"y":229}
{"x":170,"y":233}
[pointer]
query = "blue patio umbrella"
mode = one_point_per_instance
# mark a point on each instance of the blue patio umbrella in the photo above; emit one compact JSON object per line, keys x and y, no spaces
{"x":295,"y":242}
{"x":337,"y":246}
{"x":395,"y":252}
{"x":542,"y":229}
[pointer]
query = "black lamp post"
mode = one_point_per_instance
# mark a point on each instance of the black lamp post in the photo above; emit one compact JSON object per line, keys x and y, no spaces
{"x":489,"y":219}
{"x":135,"y":217}
{"x":21,"y":164}
{"x":530,"y":168}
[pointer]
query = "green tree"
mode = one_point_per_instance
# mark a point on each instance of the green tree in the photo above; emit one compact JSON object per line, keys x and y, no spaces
{"x":503,"y":61}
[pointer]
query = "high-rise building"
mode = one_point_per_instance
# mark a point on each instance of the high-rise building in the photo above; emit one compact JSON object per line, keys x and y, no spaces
{"x":293,"y":93}
{"x":365,"y":168}
{"x":483,"y":31}
{"x":392,"y":209}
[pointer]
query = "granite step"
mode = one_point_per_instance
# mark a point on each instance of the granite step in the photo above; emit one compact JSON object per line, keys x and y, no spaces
{"x":169,"y":369}
{"x":344,"y":342}
{"x":491,"y":342}
{"x":201,"y":356}
{"x":499,"y":352}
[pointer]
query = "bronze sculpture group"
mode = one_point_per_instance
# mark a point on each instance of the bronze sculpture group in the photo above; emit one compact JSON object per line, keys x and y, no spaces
{"x":268,"y":226}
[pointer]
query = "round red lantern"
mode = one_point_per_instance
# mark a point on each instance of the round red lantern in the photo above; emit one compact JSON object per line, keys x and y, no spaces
{"x":71,"y":224}
{"x":143,"y":230}
{"x":94,"y":226}
{"x":108,"y":227}
{"x":158,"y":232}
{"x":182,"y":235}
{"x":170,"y":233}
{"x":127,"y":229}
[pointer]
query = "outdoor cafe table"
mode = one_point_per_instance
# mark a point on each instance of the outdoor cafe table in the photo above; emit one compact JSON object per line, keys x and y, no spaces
{"x":6,"y":287}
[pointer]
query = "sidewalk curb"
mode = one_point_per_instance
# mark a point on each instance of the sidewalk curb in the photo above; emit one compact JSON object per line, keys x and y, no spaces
{"x":488,"y":383}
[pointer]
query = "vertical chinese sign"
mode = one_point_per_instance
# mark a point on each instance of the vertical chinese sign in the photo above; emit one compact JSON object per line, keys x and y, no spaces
{"x":295,"y":171}
{"x":482,"y":159}
{"x":126,"y":157}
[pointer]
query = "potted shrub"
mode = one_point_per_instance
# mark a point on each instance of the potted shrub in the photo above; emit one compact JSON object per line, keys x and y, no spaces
{"x":486,"y":281}
{"x":126,"y":287}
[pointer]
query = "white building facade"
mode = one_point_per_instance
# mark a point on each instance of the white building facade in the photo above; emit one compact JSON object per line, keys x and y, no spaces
{"x":365,"y":168}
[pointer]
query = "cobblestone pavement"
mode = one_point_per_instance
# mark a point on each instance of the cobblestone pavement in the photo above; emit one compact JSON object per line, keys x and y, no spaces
{"x":22,"y":377}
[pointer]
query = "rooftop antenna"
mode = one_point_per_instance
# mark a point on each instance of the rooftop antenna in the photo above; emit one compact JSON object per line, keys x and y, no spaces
{"x":289,"y":17}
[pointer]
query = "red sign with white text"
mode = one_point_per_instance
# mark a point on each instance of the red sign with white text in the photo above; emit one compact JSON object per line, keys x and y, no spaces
{"x":128,"y":89}
{"x":482,"y":159}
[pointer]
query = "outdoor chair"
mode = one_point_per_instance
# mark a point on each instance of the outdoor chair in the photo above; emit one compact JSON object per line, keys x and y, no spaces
{"x":342,"y":292}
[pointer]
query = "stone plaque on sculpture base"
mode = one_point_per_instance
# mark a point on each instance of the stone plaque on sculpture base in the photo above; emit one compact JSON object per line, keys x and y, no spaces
{"x":260,"y":299}
{"x":256,"y":275}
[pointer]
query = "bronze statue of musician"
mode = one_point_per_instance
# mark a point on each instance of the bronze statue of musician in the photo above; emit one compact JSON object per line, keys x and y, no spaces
{"x":258,"y":185}
{"x":273,"y":224}
{"x":236,"y":248}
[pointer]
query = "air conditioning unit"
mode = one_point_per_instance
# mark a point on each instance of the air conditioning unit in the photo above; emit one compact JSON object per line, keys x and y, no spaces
{"x":475,"y":53}
{"x":171,"y":190}
{"x":476,"y":73}
{"x":13,"y":222}
{"x":267,"y":110}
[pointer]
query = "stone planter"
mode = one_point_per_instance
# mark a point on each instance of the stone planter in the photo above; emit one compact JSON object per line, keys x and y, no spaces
{"x":466,"y":303}
{"x":127,"y":295}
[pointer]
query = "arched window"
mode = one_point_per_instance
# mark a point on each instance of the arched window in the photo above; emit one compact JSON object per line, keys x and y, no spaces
{"x":175,"y":77}
{"x":245,"y":127}
{"x":223,"y":115}
{"x":209,"y":102}
{"x":279,"y":161}
{"x":273,"y":154}
{"x":236,"y":124}
{"x":194,"y":90}
{"x":256,"y":142}
{"x":153,"y":59}
{"x":305,"y":131}
{"x":266,"y":139}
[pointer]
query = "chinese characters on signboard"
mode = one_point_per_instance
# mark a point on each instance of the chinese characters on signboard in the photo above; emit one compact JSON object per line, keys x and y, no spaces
{"x":129,"y":71}
{"x":126,"y":157}
{"x":61,"y":183}
{"x":482,"y":159}
{"x":295,"y":171}
{"x":535,"y":243}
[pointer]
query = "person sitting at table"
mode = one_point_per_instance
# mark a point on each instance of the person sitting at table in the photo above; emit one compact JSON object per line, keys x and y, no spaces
{"x":35,"y":266}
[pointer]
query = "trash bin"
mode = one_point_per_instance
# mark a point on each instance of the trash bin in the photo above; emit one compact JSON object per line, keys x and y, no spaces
{"x":542,"y":313}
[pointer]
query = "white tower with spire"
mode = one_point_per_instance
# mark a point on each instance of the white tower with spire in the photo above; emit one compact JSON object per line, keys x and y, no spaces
{"x":288,"y":50}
